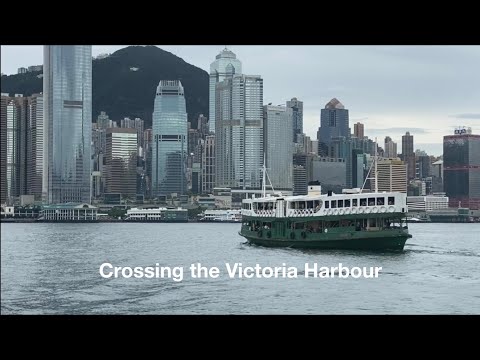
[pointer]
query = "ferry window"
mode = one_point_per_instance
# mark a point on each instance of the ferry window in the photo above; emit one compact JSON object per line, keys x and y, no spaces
{"x":363,"y":202}
{"x":354,"y":202}
{"x":340,"y":203}
{"x":347,"y":203}
{"x":334,"y":204}
{"x":309,"y":204}
{"x":380,"y":201}
{"x":391,"y":200}
{"x":327,"y":204}
{"x":371,"y":201}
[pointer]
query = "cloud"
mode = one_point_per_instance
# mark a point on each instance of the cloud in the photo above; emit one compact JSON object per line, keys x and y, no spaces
{"x":402,"y":130}
{"x":466,"y":116}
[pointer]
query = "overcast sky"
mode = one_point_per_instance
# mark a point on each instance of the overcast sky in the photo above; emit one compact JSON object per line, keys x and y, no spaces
{"x":427,"y":90}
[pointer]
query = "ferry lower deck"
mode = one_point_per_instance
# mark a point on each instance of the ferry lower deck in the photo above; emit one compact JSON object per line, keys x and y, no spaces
{"x":377,"y":231}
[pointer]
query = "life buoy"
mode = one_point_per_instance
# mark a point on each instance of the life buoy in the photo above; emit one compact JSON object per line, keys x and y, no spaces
{"x":383,"y":209}
{"x":360,"y":210}
{"x":368,"y":210}
{"x":347,"y":211}
{"x":341,"y":211}
{"x":335,"y":211}
{"x":375,"y":210}
{"x":354,"y":210}
{"x":329,"y":211}
{"x":391,"y":209}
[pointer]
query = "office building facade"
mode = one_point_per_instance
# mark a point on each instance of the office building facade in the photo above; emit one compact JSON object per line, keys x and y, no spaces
{"x":121,"y":162}
{"x":278,"y":147}
{"x":169,"y":150}
{"x":334,"y":122}
{"x":225,"y":65}
{"x":461,"y":169}
{"x":239,"y":132}
{"x":297,"y":116}
{"x":67,"y":115}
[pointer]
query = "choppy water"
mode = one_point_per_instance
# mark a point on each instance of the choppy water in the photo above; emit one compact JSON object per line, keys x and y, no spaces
{"x":54,"y":269}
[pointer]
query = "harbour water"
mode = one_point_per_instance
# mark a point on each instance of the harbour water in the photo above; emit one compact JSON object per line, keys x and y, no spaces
{"x":54,"y":269}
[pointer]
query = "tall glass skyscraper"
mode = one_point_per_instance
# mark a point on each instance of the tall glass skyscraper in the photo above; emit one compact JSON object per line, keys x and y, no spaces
{"x":239,"y":132}
{"x":225,"y":65}
{"x":333,"y":123}
{"x":67,"y":114}
{"x":169,"y":148}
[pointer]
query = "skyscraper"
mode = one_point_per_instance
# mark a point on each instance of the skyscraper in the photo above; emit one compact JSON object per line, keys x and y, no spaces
{"x":333,"y":123}
{"x":239,"y":132}
{"x":3,"y":148}
{"x":225,"y":65}
{"x":461,"y":169}
{"x":358,"y":130}
{"x":35,"y":146}
{"x":297,"y":116}
{"x":300,"y":185}
{"x":14,"y":147}
{"x":390,"y":148}
{"x":137,"y":124}
{"x":392,"y":176}
{"x":408,"y":155}
{"x":169,"y":150}
{"x":208,"y":164}
{"x":67,"y":115}
{"x":278,"y":147}
{"x":121,"y":161}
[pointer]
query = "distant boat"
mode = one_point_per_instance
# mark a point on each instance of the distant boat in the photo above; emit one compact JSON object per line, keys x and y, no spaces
{"x":229,"y":216}
{"x":416,"y":220}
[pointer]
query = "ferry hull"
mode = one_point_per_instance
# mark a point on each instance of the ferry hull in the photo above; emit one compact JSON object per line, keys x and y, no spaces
{"x":393,"y":243}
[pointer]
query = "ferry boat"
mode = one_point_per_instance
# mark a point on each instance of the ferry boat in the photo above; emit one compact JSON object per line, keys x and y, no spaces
{"x":351,"y":220}
{"x":229,"y":216}
{"x":161,"y":214}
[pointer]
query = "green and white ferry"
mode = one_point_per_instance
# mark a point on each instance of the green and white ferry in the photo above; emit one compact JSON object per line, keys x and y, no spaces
{"x":352,"y":220}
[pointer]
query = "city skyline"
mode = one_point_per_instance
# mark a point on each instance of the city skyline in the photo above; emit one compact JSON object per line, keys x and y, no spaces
{"x":390,"y":89}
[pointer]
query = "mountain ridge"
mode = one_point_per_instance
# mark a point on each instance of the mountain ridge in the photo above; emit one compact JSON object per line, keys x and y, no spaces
{"x":124,"y":83}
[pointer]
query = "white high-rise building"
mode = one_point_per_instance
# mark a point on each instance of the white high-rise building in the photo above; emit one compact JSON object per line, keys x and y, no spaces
{"x":225,"y":65}
{"x":239,"y":132}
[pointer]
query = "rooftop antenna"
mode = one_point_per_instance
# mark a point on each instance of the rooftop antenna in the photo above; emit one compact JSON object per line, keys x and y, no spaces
{"x":375,"y":170}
